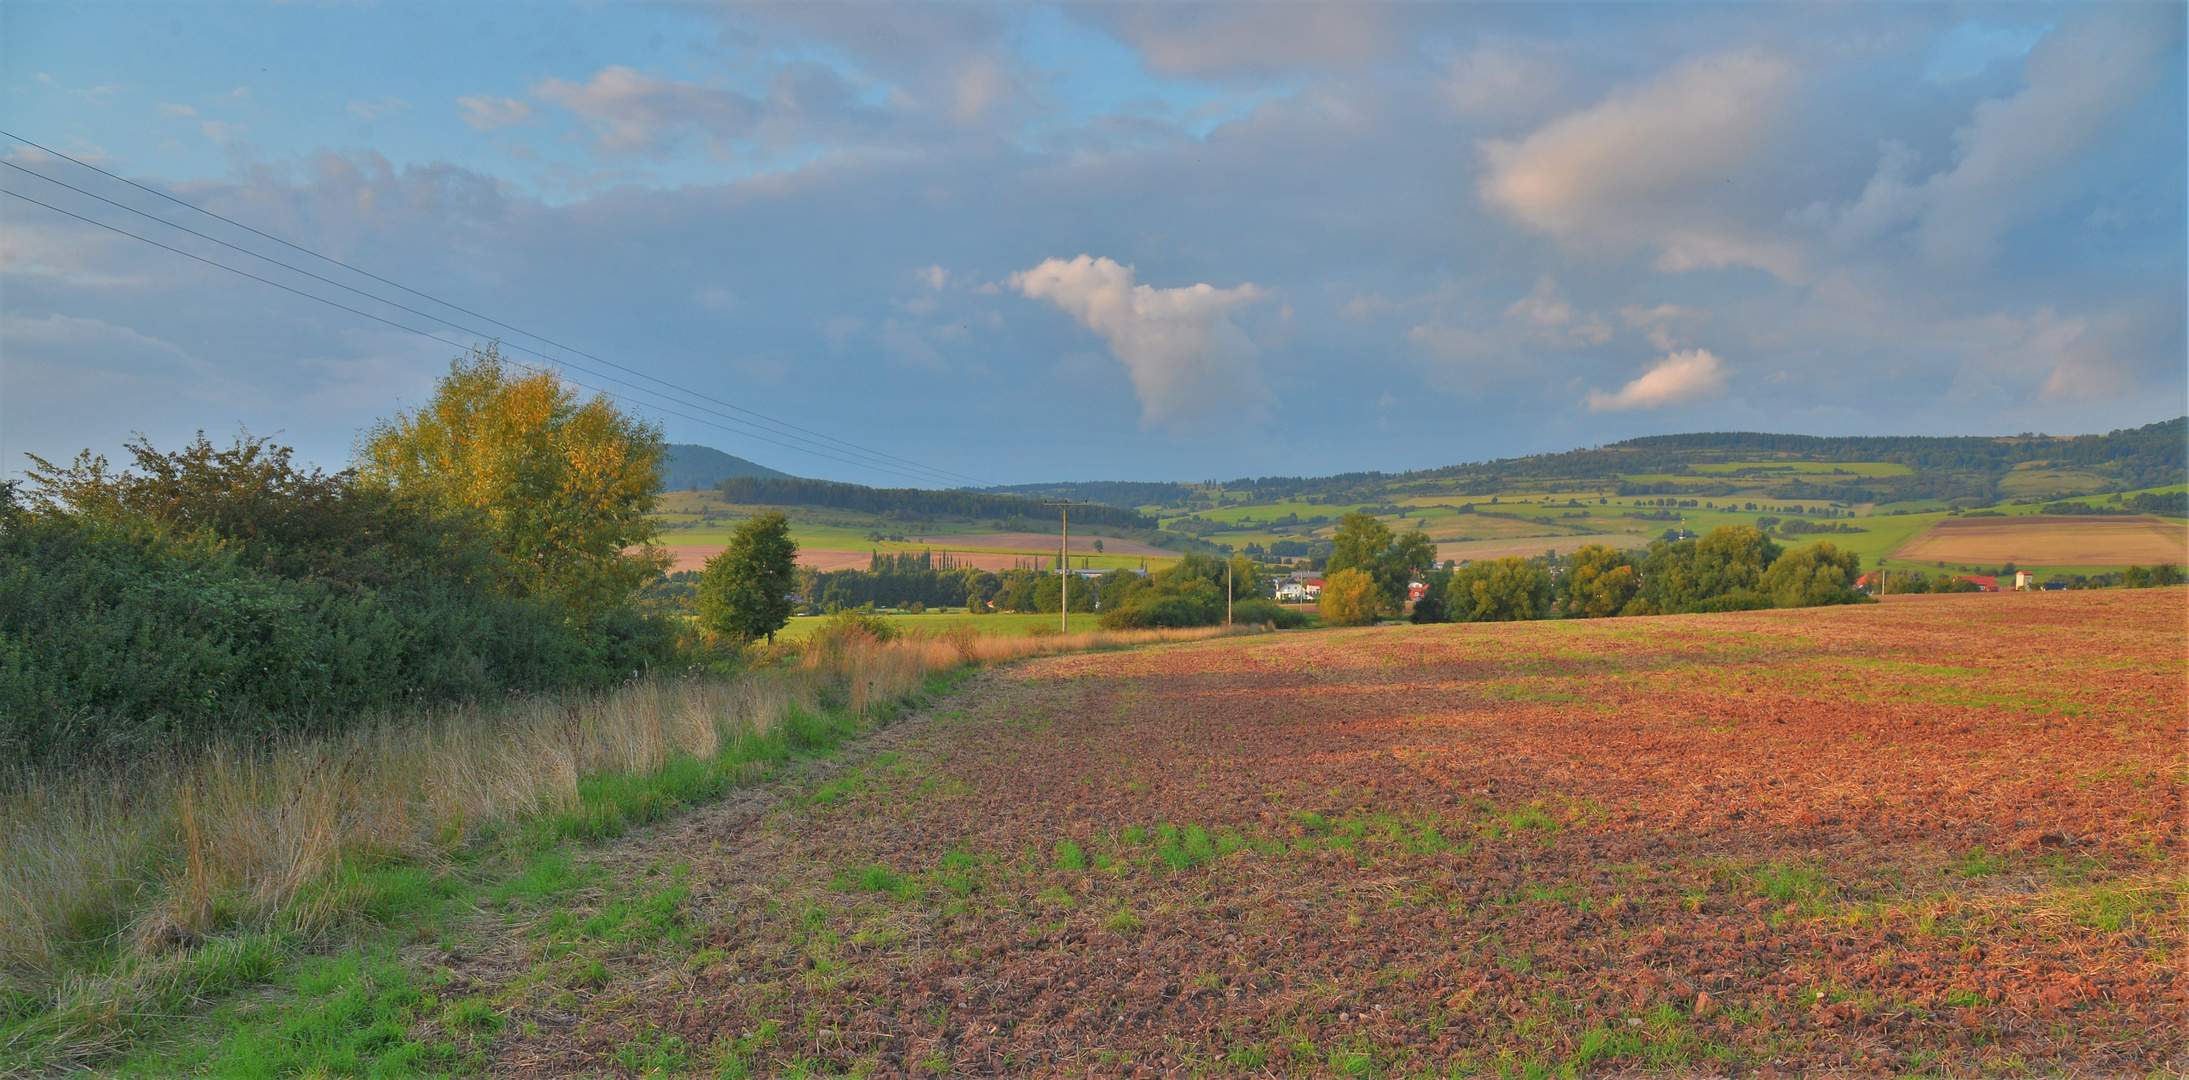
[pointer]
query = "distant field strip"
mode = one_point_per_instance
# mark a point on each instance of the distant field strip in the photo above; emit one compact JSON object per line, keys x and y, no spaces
{"x":694,"y":556}
{"x":1565,"y":545}
{"x":2056,"y":541}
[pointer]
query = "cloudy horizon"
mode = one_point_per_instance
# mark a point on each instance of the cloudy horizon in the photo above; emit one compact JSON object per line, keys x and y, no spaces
{"x":1022,"y":243}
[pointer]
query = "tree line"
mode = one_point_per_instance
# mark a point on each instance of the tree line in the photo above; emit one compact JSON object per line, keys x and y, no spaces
{"x":918,"y":502}
{"x":1732,"y":568}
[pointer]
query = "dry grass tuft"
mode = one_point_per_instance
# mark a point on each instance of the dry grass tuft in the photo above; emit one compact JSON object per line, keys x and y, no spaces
{"x":127,"y":894}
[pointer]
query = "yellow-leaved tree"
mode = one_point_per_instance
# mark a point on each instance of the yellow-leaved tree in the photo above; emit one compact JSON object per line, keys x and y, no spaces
{"x":562,"y":487}
{"x":1350,"y":598}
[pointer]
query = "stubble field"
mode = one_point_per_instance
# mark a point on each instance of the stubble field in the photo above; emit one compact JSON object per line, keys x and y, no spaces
{"x":1938,"y":835}
{"x":2052,"y":541}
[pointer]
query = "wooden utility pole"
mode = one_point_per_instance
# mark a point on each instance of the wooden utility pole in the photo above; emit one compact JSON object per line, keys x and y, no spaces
{"x":1064,"y":570}
{"x":1227,"y":592}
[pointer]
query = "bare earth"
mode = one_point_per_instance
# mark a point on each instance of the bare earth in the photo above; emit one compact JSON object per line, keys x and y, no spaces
{"x":2052,"y":541}
{"x":1940,"y":835}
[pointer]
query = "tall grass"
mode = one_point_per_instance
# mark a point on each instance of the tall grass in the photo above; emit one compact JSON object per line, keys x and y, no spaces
{"x":127,"y":896}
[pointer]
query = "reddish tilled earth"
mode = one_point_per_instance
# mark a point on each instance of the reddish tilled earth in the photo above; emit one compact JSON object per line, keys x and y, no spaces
{"x":1941,"y":835}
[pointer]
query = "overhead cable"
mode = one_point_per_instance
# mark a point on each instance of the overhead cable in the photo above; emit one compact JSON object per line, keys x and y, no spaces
{"x":842,"y":445}
{"x":436,"y":337}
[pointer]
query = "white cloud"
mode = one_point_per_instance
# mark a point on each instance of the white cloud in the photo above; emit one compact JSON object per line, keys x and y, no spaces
{"x":1676,"y":380}
{"x":635,"y":113}
{"x":1548,"y":317}
{"x":1657,"y":323}
{"x":1186,"y":357}
{"x":1236,"y":39}
{"x":485,"y":113}
{"x":934,"y":277}
{"x":2013,"y":158}
{"x":168,"y":108}
{"x":1500,"y":78}
{"x":1645,"y":167}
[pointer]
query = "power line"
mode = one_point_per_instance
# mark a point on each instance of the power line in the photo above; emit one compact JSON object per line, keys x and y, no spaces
{"x":436,"y":337}
{"x":842,"y":443}
{"x":938,"y":475}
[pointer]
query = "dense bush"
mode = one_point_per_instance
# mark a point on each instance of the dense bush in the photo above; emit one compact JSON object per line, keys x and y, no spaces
{"x":1190,"y":592}
{"x":224,"y":593}
{"x":1511,"y":589}
{"x":1350,"y":597}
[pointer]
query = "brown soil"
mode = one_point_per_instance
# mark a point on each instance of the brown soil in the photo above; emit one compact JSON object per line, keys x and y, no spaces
{"x":1940,"y":835}
{"x":2052,"y":541}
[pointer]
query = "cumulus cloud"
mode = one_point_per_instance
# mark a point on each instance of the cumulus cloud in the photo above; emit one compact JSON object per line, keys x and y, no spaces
{"x":1244,"y":39}
{"x":2014,"y":154}
{"x":1550,"y":318}
{"x":1676,"y":380}
{"x":1643,"y":167}
{"x":485,"y":113}
{"x":635,"y":113}
{"x":1187,"y":359}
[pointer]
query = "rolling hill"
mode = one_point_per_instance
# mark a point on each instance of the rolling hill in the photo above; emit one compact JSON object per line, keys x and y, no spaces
{"x":692,"y":466}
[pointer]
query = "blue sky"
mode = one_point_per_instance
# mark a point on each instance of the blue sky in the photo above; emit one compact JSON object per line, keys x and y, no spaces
{"x":1019,"y":243}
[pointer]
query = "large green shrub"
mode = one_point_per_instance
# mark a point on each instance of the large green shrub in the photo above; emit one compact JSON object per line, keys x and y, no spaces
{"x":225,"y":594}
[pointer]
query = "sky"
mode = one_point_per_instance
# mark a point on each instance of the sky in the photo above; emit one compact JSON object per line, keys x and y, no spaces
{"x":961,"y":243}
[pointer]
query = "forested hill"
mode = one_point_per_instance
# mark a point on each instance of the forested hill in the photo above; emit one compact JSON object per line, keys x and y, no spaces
{"x":694,"y":466}
{"x":920,"y":503}
{"x":1966,"y":468}
{"x":2148,"y":456}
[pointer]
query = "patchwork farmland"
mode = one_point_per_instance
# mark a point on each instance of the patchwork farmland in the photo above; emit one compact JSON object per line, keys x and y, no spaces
{"x":1938,"y":835}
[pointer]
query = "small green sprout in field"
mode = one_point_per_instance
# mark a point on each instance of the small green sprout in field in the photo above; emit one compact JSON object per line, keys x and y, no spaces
{"x":471,"y":1016}
{"x":1055,"y":896}
{"x":1123,"y":921}
{"x":1979,"y":863}
{"x":1247,"y":1057}
{"x":1133,"y":834}
{"x":1069,"y":856}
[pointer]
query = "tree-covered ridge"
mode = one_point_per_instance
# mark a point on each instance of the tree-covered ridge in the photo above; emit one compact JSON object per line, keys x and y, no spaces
{"x":1943,"y":468}
{"x":919,"y":502}
{"x":693,"y":466}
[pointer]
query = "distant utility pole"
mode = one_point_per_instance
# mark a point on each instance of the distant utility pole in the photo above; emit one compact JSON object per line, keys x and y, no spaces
{"x":1227,"y":592}
{"x":1064,"y":564}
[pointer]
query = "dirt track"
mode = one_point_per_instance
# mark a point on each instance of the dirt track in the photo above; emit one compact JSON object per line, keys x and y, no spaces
{"x":1939,"y":834}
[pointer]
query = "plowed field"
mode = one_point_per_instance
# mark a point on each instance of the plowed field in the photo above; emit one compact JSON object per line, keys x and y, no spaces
{"x":1938,"y":835}
{"x":2052,"y":541}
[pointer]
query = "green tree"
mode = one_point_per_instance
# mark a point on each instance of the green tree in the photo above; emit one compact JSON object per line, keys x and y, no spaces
{"x":744,"y":591}
{"x":1813,"y":576}
{"x":1600,"y":581}
{"x":1430,"y":608}
{"x":1350,"y":598}
{"x":1365,"y":544}
{"x":1410,"y":556}
{"x":1722,"y":571}
{"x":562,"y":488}
{"x":1359,"y":542}
{"x":1246,"y":578}
{"x":1511,"y":589}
